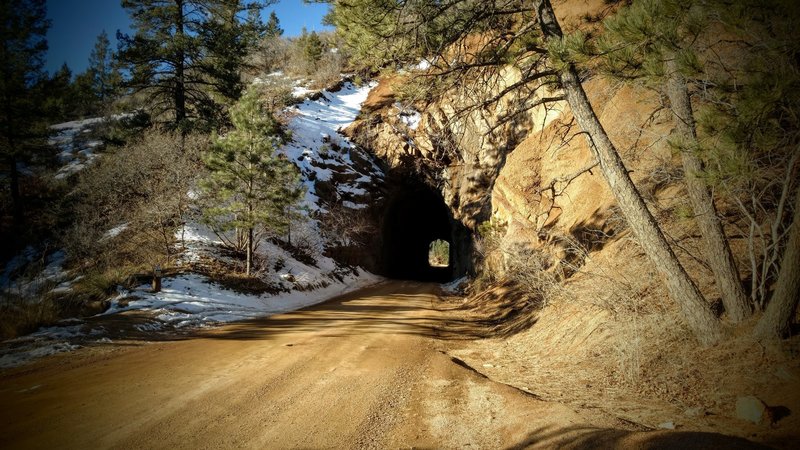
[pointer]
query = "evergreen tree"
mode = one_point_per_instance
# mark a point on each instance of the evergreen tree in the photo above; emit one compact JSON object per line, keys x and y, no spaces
{"x":312,"y":49}
{"x":653,"y":41}
{"x":85,"y":97}
{"x":163,"y":57}
{"x":188,"y":55}
{"x":750,"y":120}
{"x":103,"y":72}
{"x":270,"y":47}
{"x":249,"y":187}
{"x":782,"y":308}
{"x":695,"y":309}
{"x":22,"y":50}
{"x":254,"y":28}
{"x":273,"y":29}
{"x":384,"y":33}
{"x":228,"y":38}
{"x":57,"y":95}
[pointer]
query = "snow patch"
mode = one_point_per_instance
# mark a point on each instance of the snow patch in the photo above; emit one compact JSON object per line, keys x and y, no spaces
{"x":409,"y":116}
{"x":114,"y":232}
{"x":76,"y":154}
{"x":315,"y":130}
{"x":194,"y":300}
{"x":22,"y":357}
{"x":12,"y":281}
{"x":44,"y":342}
{"x":455,"y":286}
{"x":301,"y":91}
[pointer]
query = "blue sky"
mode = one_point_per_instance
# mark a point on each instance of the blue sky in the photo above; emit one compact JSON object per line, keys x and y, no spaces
{"x":76,"y":24}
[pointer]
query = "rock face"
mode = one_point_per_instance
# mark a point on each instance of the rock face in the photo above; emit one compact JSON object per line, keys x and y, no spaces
{"x":533,"y":178}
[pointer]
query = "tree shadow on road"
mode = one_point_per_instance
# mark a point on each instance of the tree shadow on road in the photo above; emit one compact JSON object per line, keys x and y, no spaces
{"x":421,"y":314}
{"x":410,"y":309}
{"x":579,"y":438}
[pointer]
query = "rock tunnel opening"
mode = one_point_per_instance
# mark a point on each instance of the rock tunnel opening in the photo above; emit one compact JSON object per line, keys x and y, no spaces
{"x":415,"y":217}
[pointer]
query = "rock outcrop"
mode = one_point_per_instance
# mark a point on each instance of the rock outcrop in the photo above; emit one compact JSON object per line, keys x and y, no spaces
{"x":533,"y":177}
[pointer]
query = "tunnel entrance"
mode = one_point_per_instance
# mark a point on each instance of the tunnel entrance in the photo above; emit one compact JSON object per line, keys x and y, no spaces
{"x":416,"y":218}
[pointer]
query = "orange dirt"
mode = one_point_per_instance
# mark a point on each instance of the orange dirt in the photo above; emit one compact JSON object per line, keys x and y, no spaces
{"x":365,"y":370}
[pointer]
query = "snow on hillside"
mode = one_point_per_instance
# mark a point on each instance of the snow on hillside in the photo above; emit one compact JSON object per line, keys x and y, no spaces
{"x":76,"y":150}
{"x":51,"y":272}
{"x":321,"y":152}
{"x":77,"y":147}
{"x":48,"y":341}
{"x":193,"y":300}
{"x":187,"y":300}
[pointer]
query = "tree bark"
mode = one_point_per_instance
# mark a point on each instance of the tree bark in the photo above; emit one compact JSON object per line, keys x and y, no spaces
{"x":717,"y":251}
{"x":696,"y":311}
{"x":16,"y":197}
{"x":249,"y":263}
{"x":180,"y":60}
{"x":778,"y":315}
{"x":13,"y":173}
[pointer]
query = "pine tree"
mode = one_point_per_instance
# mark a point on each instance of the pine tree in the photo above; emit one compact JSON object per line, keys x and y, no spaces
{"x":86,"y":101}
{"x":273,"y":29}
{"x":777,"y":319}
{"x":163,"y":58}
{"x":652,"y":41}
{"x":270,"y":48}
{"x":58,"y":100}
{"x":682,"y":289}
{"x":751,"y":120}
{"x":104,"y":73}
{"x":228,"y":39}
{"x":312,"y":49}
{"x":249,"y":187}
{"x":383,"y":33}
{"x":22,"y":49}
{"x":188,"y":55}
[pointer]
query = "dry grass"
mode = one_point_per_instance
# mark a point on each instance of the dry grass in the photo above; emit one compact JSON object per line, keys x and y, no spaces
{"x":612,"y":339}
{"x":20,"y":315}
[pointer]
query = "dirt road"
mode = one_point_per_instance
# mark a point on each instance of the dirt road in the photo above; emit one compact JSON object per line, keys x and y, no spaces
{"x":366,"y":370}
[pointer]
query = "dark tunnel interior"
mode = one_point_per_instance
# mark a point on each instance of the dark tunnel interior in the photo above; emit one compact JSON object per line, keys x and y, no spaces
{"x":415,"y":216}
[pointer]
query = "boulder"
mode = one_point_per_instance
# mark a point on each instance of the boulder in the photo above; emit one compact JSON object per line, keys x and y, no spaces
{"x":751,"y":409}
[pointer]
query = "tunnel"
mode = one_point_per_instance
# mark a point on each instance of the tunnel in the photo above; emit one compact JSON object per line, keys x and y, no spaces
{"x":415,"y":215}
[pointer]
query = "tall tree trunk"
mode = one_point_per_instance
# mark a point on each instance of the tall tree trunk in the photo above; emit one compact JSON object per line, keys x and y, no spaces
{"x":696,"y":311}
{"x":16,"y":197}
{"x":717,"y":250}
{"x":249,"y":263}
{"x":17,"y":212}
{"x":180,"y":61}
{"x":778,"y":316}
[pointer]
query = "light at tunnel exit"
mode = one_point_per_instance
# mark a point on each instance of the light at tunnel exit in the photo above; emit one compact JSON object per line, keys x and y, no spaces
{"x":439,"y":253}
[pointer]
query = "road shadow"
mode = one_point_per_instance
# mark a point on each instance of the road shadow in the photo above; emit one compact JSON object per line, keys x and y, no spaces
{"x":410,"y":314}
{"x":585,"y":438}
{"x":396,"y":307}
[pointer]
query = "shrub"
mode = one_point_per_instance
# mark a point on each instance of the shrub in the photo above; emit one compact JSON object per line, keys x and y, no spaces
{"x":141,"y":191}
{"x":533,"y":272}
